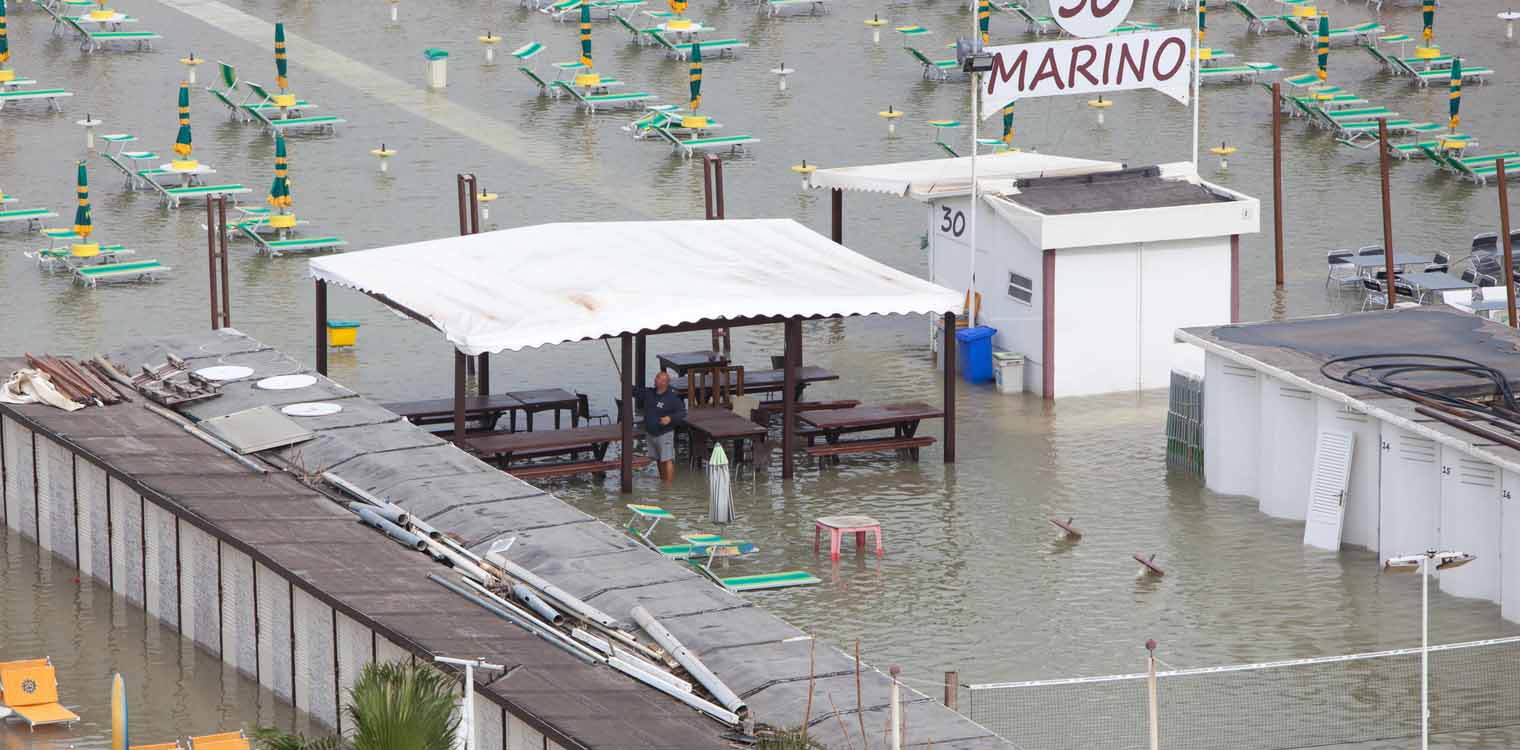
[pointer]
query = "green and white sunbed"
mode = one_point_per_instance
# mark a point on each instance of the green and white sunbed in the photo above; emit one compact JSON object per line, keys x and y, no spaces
{"x":1036,"y":24}
{"x":1440,"y":76}
{"x":709,"y":47}
{"x":280,"y":125}
{"x":7,"y":198}
{"x":600,"y":9}
{"x":1254,"y":22}
{"x":688,"y":146}
{"x":173,"y":195}
{"x":138,"y":270}
{"x":1247,"y":72}
{"x":226,"y":75}
{"x":764,"y":581}
{"x":1410,"y":150}
{"x":650,"y":514}
{"x":939,"y":69}
{"x":1359,"y":32}
{"x":1353,"y":114}
{"x":639,"y":35}
{"x":51,"y":95}
{"x":543,"y":86}
{"x":700,"y":545}
{"x":261,"y":100}
{"x":1351,"y":132}
{"x":592,"y":101}
{"x":16,"y":83}
{"x":32,"y":216}
{"x":528,"y":51}
{"x":58,"y":258}
{"x":1475,"y":168}
{"x":94,"y":40}
{"x":670,"y":117}
{"x":275,"y":248}
{"x":775,"y":7}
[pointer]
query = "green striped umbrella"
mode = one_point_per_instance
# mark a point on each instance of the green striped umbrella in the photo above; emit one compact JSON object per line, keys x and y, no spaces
{"x":182,"y":144}
{"x":280,"y":78}
{"x":586,"y":34}
{"x":984,"y":20}
{"x":1323,"y":48}
{"x":5,"y":45}
{"x":1428,"y":15}
{"x":82,"y":213}
{"x":279,"y":191}
{"x":696,"y":76}
{"x":1456,"y":93}
{"x":1008,"y":124}
{"x":1203,"y":20}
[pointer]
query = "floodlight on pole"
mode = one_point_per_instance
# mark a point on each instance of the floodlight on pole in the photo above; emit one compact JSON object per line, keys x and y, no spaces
{"x":467,"y":705}
{"x":1424,"y":563}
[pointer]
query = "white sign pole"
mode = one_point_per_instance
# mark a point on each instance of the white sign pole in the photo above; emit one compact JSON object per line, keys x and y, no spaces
{"x":976,"y":79}
{"x":1197,"y":62}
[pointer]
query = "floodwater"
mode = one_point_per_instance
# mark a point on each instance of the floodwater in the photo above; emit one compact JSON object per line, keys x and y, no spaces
{"x":972,"y":580}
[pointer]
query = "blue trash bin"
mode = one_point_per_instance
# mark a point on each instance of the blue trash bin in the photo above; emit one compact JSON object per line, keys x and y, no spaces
{"x":974,"y":353}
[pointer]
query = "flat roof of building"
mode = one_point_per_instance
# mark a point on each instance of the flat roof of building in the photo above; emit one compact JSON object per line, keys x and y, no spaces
{"x":1295,"y":351}
{"x":1120,"y":190}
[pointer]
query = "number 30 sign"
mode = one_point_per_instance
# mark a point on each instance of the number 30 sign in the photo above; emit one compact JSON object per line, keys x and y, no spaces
{"x":1089,"y":18}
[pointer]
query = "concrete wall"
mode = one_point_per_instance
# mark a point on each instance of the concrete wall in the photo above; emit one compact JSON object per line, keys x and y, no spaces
{"x":215,"y":594}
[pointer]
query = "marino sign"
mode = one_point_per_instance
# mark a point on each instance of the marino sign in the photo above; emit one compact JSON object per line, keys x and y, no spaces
{"x":1158,"y":60}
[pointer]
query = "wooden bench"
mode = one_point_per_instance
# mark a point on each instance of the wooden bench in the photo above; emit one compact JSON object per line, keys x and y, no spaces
{"x":550,"y":471}
{"x":767,"y":410}
{"x":871,"y":445}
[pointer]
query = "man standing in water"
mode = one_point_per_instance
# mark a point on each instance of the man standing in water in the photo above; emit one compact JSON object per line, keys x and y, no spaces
{"x":663,"y":410}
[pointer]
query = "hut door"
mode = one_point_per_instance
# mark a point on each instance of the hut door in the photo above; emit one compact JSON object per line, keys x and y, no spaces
{"x":1327,"y":489}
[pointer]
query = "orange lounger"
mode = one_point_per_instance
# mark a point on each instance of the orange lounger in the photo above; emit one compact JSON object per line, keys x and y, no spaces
{"x":31,"y":692}
{"x":221,"y":741}
{"x":159,"y":746}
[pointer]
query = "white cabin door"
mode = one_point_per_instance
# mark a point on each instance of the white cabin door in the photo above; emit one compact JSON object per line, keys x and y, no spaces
{"x":1327,"y":489}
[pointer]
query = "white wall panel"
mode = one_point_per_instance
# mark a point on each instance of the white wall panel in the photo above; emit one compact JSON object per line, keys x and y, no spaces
{"x":1509,"y":547}
{"x":239,"y":630}
{"x":91,"y":488}
{"x":316,"y":681}
{"x":1286,"y":448}
{"x":1470,"y":522}
{"x":161,"y":574}
{"x":356,"y":648}
{"x":20,"y":480}
{"x":55,"y":499}
{"x":1410,"y":497}
{"x":275,"y":665}
{"x":127,"y":572}
{"x":1231,"y":431}
{"x":199,"y":582}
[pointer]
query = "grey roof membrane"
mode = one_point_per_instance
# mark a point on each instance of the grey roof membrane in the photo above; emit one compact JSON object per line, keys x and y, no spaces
{"x":763,"y":658}
{"x":1110,"y":191}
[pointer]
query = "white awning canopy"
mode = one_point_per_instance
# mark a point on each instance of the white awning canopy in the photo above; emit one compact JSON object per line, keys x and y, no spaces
{"x":943,"y":178}
{"x":553,"y":283}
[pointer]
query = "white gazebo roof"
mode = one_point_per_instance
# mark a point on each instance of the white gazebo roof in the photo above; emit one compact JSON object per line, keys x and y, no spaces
{"x":943,"y":178}
{"x":554,"y":283}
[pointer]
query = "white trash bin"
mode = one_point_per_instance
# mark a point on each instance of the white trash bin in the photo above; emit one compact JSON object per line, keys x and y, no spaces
{"x":438,"y":67}
{"x":1008,"y":370}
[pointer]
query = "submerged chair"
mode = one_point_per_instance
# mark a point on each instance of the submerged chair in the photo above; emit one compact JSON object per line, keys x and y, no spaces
{"x":1339,"y":268}
{"x":29,"y":688}
{"x":939,"y":69}
{"x":221,"y":741}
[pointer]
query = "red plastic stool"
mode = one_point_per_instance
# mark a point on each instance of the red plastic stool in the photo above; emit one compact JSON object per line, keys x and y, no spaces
{"x":839,"y":525}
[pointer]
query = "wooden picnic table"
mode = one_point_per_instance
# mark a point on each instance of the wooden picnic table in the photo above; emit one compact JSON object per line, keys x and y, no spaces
{"x":488,"y":409}
{"x":712,"y":424}
{"x":770,"y":381}
{"x":506,"y":447}
{"x":682,"y":362}
{"x":902,"y":419}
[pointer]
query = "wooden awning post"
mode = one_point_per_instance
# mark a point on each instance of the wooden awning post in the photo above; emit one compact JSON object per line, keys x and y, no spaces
{"x":949,"y":405}
{"x":640,"y":361}
{"x":837,"y":232}
{"x":459,"y":386}
{"x":792,"y":352}
{"x":321,"y":327}
{"x":625,"y":417}
{"x":483,"y":375}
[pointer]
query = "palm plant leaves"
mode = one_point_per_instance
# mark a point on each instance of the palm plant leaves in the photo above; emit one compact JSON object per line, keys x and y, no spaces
{"x":397,"y":706}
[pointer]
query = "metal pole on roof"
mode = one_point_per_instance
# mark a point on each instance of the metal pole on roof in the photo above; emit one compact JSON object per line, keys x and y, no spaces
{"x":976,"y":81}
{"x":793,"y":337}
{"x":625,"y":469}
{"x":221,"y":238}
{"x":949,"y":405}
{"x":211,"y":261}
{"x":1197,"y":90}
{"x":321,"y":317}
{"x":1277,"y":178}
{"x":1389,"y":291}
{"x":1509,"y":252}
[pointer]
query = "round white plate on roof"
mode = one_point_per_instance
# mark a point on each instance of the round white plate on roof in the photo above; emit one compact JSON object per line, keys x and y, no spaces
{"x":224,"y":372}
{"x":286,"y":382}
{"x":311,"y":409}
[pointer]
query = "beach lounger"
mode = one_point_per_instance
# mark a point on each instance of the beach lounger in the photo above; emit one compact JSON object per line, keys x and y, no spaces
{"x":137,"y":270}
{"x":528,"y":51}
{"x":1454,"y":141}
{"x":1255,"y":22}
{"x":1350,"y":133}
{"x":1440,"y":76}
{"x":7,"y":198}
{"x":19,"y":95}
{"x":32,"y":216}
{"x":650,"y":514}
{"x":226,"y":75}
{"x":765,"y":581}
{"x":813,"y":7}
{"x":1246,"y":72}
{"x":700,"y":545}
{"x":639,"y":35}
{"x":543,"y":86}
{"x":329,"y":122}
{"x":159,"y":746}
{"x":1353,"y":114}
{"x":221,"y":741}
{"x":937,"y":69}
{"x":689,"y":146}
{"x":710,"y":47}
{"x":259,"y":99}
{"x":592,"y":101}
{"x":275,"y":248}
{"x":1361,"y":32}
{"x":56,"y":258}
{"x":1476,"y":168}
{"x":94,"y":40}
{"x":173,"y":195}
{"x":1035,"y":24}
{"x":29,"y":688}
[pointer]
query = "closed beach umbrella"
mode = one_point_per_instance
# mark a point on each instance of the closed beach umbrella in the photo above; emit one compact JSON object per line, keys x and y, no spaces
{"x":5,"y":44}
{"x":586,"y":34}
{"x":279,"y":191}
{"x":696,"y":76}
{"x":1008,"y":124}
{"x":678,"y":6}
{"x":1323,"y":48}
{"x":1203,"y":19}
{"x":1428,"y":15}
{"x":182,"y":144}
{"x":984,"y":20}
{"x":1456,"y":93}
{"x":118,"y":714}
{"x":280,"y":78}
{"x":82,"y":225}
{"x":720,"y":498}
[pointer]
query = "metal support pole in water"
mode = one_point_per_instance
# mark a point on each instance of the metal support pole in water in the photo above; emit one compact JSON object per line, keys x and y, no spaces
{"x":952,"y":689}
{"x":896,"y":704}
{"x":625,"y":461}
{"x":792,"y":336}
{"x":1150,"y":681}
{"x":221,"y":238}
{"x":321,"y":327}
{"x":837,"y":230}
{"x":949,"y":405}
{"x":1389,"y":292}
{"x":1425,"y":648}
{"x":211,"y":262}
{"x":1277,"y":178}
{"x":1509,"y":251}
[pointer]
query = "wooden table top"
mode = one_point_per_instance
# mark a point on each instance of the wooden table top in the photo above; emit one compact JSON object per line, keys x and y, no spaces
{"x":722,"y":424}
{"x":545,"y":440}
{"x":758,"y":380}
{"x":882,"y":415}
{"x":545,"y":397}
{"x":683,"y":361}
{"x":473,"y":405}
